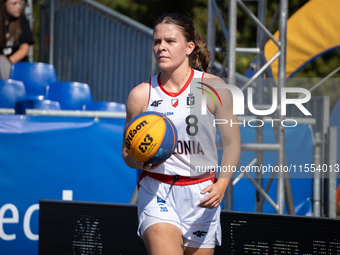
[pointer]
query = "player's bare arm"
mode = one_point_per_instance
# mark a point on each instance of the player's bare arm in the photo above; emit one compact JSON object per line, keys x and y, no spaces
{"x":231,"y":146}
{"x":136,"y":103}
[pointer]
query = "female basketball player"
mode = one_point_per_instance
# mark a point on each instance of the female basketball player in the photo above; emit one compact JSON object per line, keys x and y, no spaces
{"x":178,"y":207}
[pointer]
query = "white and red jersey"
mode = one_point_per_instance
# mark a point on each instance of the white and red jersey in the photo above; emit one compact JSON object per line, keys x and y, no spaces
{"x":196,"y":150}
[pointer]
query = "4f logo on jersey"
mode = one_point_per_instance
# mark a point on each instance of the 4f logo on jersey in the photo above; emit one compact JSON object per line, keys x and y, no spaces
{"x":174,"y":102}
{"x":190,"y":99}
{"x":145,"y":144}
{"x":156,"y":103}
{"x":200,"y":233}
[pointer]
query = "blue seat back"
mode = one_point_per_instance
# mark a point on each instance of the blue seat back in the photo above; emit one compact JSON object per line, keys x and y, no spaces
{"x":35,"y":77}
{"x":21,"y":106}
{"x":70,"y":95}
{"x":105,"y":106}
{"x":10,"y":92}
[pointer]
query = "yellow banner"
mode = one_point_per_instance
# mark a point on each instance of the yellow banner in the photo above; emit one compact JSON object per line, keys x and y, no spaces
{"x":313,"y":30}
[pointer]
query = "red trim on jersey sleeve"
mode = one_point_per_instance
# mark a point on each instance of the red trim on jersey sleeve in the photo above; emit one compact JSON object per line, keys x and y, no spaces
{"x":149,"y":91}
{"x":203,"y":93}
{"x":172,"y":94}
{"x":210,"y":111}
{"x":202,"y":82}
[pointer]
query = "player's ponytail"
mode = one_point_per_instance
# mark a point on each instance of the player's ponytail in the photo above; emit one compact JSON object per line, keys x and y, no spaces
{"x":201,"y":56}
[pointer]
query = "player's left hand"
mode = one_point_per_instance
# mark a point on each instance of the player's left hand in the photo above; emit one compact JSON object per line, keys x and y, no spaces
{"x":214,"y":198}
{"x":150,"y":167}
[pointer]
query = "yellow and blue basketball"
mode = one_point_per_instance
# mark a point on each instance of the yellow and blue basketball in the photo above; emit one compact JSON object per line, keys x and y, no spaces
{"x":150,"y":137}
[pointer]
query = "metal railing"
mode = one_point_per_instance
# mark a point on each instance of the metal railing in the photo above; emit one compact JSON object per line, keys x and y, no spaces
{"x":324,"y":152}
{"x":88,"y":42}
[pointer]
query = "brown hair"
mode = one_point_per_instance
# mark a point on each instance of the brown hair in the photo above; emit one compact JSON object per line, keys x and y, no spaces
{"x":200,"y":57}
{"x":14,"y":25}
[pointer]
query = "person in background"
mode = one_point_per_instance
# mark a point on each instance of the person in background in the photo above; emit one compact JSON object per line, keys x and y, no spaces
{"x":179,"y":214}
{"x":15,"y":35}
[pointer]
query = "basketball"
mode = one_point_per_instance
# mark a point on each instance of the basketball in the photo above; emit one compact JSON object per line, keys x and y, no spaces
{"x":150,"y":137}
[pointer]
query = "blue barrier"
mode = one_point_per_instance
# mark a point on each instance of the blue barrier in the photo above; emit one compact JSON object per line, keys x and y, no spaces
{"x":41,"y":156}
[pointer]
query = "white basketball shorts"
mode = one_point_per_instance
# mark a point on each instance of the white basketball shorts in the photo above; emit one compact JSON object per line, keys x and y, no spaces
{"x":157,"y":203}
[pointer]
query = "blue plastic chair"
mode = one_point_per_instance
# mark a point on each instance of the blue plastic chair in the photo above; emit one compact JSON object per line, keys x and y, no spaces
{"x":70,"y":95}
{"x":35,"y":77}
{"x":105,"y":106}
{"x":10,"y":92}
{"x":21,"y":106}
